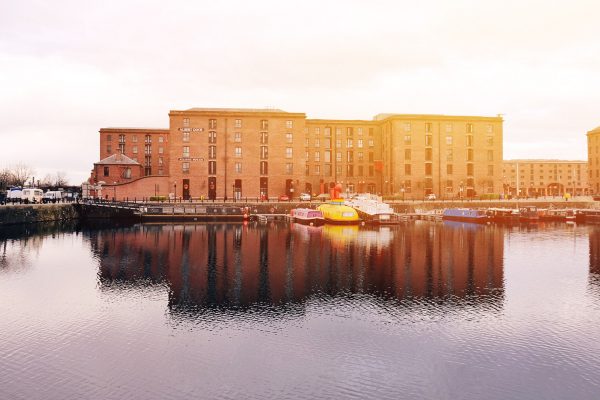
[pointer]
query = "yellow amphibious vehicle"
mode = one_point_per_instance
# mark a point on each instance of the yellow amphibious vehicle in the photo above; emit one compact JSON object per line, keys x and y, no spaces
{"x":335,"y":212}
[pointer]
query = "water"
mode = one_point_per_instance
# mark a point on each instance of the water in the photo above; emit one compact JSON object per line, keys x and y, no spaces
{"x":419,"y":311}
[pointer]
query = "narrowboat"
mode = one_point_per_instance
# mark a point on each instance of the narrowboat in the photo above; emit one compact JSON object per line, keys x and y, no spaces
{"x":506,"y":215}
{"x":465,"y":215}
{"x":308,"y":216}
{"x":587,"y":216}
{"x":336,"y":212}
{"x":561,"y":215}
{"x":529,"y":214}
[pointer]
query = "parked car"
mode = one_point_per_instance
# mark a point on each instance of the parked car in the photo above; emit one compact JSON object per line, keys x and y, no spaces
{"x":32,"y":195}
{"x":52,"y":196}
{"x":430,"y":196}
{"x":304,"y":197}
{"x":14,"y":195}
{"x":284,"y":197}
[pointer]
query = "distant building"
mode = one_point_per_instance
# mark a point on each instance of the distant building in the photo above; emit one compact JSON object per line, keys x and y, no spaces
{"x":593,"y":139}
{"x":532,"y":178}
{"x":260,"y":153}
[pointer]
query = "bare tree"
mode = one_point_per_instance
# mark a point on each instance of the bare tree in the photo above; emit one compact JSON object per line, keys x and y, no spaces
{"x":21,"y":173}
{"x":47,"y":181}
{"x":60,"y":179}
{"x":5,"y":178}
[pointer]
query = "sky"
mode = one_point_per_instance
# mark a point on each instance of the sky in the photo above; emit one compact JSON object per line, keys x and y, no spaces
{"x":68,"y":68}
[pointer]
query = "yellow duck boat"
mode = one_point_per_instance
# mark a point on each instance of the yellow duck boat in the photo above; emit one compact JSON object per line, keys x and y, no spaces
{"x":335,"y":212}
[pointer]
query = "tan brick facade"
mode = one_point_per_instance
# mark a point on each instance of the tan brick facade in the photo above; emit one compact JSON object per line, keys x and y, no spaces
{"x":545,"y":178}
{"x":593,"y":139}
{"x":220,"y":153}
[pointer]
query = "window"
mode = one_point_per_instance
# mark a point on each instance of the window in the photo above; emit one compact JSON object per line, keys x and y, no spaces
{"x":212,"y":137}
{"x":212,"y":152}
{"x":318,"y":170}
{"x":161,"y":150}
{"x":350,"y":156}
{"x":360,"y":156}
{"x":427,"y":126}
{"x":237,"y":137}
{"x":469,"y":140}
{"x":212,"y":124}
{"x":327,"y":156}
{"x":317,"y":156}
{"x":161,"y":139}
{"x":238,"y":167}
{"x":317,"y":131}
{"x":359,"y":143}
{"x":264,"y":168}
{"x":349,"y":143}
{"x":147,"y":139}
{"x":428,"y":140}
{"x":407,"y":139}
{"x":490,"y":155}
{"x":289,"y":124}
{"x":349,"y":131}
{"x":212,"y":167}
{"x":490,"y":128}
{"x":121,"y":138}
{"x":289,"y":168}
{"x":134,"y":139}
{"x":448,"y":128}
{"x":359,"y":131}
{"x":469,"y":154}
{"x":489,"y":140}
{"x":264,"y":124}
{"x":264,"y":152}
{"x":288,"y":137}
{"x":469,"y":169}
{"x":338,"y":143}
{"x":428,"y":154}
{"x":407,"y":168}
{"x":428,"y":168}
{"x":160,"y":161}
{"x":449,"y":155}
{"x":317,"y":143}
{"x":469,"y":128}
{"x":350,"y":170}
{"x":161,"y":171}
{"x":449,"y":169}
{"x":449,"y":140}
{"x":490,"y":170}
{"x":407,"y":127}
{"x":135,"y":149}
{"x":371,"y":170}
{"x":371,"y":158}
{"x":327,"y":143}
{"x":338,"y":131}
{"x":371,"y":143}
{"x":407,"y":154}
{"x":307,"y":170}
{"x":185,"y":167}
{"x":338,"y":169}
{"x":264,"y":138}
{"x":186,"y":151}
{"x":147,"y":149}
{"x":185,"y":137}
{"x":338,"y":156}
{"x":238,"y":123}
{"x":288,"y":152}
{"x":237,"y":152}
{"x":327,"y":132}
{"x":361,"y":171}
{"x":186,"y":122}
{"x":121,"y":148}
{"x":108,"y":138}
{"x":106,"y":171}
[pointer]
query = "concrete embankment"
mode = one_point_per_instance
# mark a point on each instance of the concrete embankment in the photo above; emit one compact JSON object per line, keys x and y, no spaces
{"x":25,"y":214}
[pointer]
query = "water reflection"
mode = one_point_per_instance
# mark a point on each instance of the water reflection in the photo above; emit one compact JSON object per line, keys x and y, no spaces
{"x":594,"y":275}
{"x":237,"y":266}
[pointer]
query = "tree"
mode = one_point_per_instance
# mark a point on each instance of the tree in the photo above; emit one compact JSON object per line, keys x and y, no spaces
{"x":21,"y":173}
{"x":5,"y":178}
{"x":60,"y":179}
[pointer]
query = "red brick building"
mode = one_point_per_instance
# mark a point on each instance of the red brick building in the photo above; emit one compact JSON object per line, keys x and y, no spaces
{"x":218,"y":153}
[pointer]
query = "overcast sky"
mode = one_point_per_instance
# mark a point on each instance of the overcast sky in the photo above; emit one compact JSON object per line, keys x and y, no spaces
{"x":68,"y":68}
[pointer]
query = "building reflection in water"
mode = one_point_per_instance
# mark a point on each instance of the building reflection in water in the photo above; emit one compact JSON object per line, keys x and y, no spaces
{"x":239,"y":266}
{"x":594,"y":275}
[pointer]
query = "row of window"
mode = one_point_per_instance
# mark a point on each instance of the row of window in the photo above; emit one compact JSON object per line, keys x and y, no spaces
{"x":134,"y":138}
{"x":449,"y":154}
{"x":327,"y":170}
{"x":264,"y":124}
{"x":237,"y":152}
{"x":489,"y":140}
{"x":449,"y":169}
{"x":469,"y":128}
{"x":338,"y":156}
{"x":212,"y":168}
{"x":338,"y":131}
{"x":338,"y":143}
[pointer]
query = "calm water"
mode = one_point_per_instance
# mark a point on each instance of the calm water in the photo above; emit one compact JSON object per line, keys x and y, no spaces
{"x":420,"y":311}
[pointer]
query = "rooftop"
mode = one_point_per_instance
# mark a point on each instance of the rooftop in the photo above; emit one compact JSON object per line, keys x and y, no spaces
{"x":118,"y":159}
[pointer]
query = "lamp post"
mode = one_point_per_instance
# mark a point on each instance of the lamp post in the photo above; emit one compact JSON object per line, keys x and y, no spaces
{"x":233,"y":191}
{"x":175,"y":191}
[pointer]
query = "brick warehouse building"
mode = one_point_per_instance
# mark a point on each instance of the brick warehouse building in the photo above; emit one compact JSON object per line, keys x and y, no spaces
{"x":220,"y":153}
{"x":533,"y":178}
{"x":593,"y":142}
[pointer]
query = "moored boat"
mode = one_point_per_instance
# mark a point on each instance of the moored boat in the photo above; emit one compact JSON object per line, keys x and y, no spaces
{"x":308,"y":216}
{"x":587,"y":216}
{"x":465,"y":215}
{"x":529,"y":214}
{"x":372,"y":209}
{"x":336,"y":212}
{"x":561,"y":215}
{"x":505,"y":215}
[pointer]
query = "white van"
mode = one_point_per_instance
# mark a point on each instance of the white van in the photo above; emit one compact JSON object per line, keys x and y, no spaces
{"x":32,"y":195}
{"x":52,"y":196}
{"x":14,"y":195}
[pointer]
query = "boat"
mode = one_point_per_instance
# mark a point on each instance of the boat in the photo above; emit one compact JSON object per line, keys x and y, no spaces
{"x":587,"y":216}
{"x":465,"y":215}
{"x":308,"y":216}
{"x":336,"y":212}
{"x":529,"y":214}
{"x":503,"y":215}
{"x":372,"y":209}
{"x":561,"y":215}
